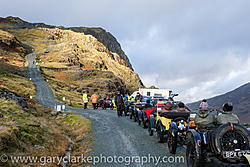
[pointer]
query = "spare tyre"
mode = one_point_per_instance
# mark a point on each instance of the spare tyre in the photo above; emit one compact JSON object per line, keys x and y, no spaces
{"x":230,"y":137}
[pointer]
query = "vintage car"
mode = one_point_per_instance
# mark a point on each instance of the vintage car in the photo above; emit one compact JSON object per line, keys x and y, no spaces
{"x":159,"y":123}
{"x":179,"y":125}
{"x":228,"y":143}
{"x":134,"y":109}
{"x":131,"y":110}
{"x":107,"y":103}
{"x":126,"y":107}
{"x":146,"y":114}
{"x":147,"y":110}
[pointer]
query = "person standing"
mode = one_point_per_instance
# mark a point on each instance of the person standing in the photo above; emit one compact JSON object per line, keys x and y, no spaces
{"x":85,"y":99}
{"x":204,"y":105}
{"x":126,"y":104}
{"x":113,"y":103}
{"x":138,"y":97}
{"x":119,"y":103}
{"x":94,"y":100}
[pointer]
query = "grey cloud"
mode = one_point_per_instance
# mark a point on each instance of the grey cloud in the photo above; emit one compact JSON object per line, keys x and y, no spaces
{"x":188,"y":46}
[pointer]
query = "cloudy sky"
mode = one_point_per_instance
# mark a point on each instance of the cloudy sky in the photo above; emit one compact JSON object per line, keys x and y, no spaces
{"x":198,"y":49}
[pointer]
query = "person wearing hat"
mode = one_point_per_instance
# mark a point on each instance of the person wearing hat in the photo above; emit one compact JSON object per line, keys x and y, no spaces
{"x":119,"y":103}
{"x":227,"y":115}
{"x":203,"y":105}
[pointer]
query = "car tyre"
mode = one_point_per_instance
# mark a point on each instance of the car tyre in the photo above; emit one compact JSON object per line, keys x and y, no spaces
{"x":160,"y":136}
{"x":193,"y":159}
{"x":150,"y":131}
{"x":130,"y":115}
{"x":135,"y":117}
{"x":228,"y":137}
{"x":145,"y":124}
{"x":172,"y":143}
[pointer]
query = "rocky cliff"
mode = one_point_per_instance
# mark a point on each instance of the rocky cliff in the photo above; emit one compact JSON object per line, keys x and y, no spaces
{"x":105,"y":38}
{"x":72,"y":59}
{"x":11,"y":45}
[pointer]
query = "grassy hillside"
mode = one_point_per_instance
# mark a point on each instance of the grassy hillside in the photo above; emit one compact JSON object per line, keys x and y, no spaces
{"x":27,"y":128}
{"x":72,"y":62}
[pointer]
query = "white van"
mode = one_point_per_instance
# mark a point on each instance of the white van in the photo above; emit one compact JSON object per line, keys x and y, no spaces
{"x":154,"y":92}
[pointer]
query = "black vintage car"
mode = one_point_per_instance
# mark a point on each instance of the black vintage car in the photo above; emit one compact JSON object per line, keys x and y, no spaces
{"x":178,"y":128}
{"x":228,"y":143}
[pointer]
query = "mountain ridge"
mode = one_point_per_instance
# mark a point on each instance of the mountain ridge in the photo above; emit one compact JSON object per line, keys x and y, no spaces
{"x":240,"y":97}
{"x":72,"y":62}
{"x":99,"y":33}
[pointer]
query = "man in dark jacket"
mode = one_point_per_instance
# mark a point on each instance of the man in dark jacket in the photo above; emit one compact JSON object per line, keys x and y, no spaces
{"x":119,"y":103}
{"x":138,"y":97}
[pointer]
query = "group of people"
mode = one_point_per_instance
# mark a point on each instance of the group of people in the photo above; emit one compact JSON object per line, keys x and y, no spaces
{"x":207,"y":119}
{"x":93,"y":99}
{"x":121,"y":102}
{"x":118,"y":100}
{"x":204,"y":117}
{"x":169,"y":108}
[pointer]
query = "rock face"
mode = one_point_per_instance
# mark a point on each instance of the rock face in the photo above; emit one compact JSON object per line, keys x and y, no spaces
{"x":11,"y":19}
{"x":64,"y":51}
{"x":12,"y":96}
{"x":87,"y":53}
{"x":103,"y":81}
{"x":19,"y":23}
{"x":9,"y":42}
{"x":240,"y":98}
{"x":106,"y":39}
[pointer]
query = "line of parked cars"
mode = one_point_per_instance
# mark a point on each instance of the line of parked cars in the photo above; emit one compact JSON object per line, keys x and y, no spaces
{"x":228,"y":143}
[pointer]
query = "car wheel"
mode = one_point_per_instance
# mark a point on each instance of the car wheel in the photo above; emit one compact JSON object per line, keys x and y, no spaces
{"x":160,"y":136}
{"x":193,"y":159}
{"x":172,"y":143}
{"x":143,"y":120}
{"x":145,"y":124}
{"x":229,"y":137}
{"x":150,"y":131}
{"x":135,"y":117}
{"x":139,"y":122}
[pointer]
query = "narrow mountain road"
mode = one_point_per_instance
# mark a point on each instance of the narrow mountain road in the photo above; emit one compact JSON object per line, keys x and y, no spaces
{"x":113,"y":136}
